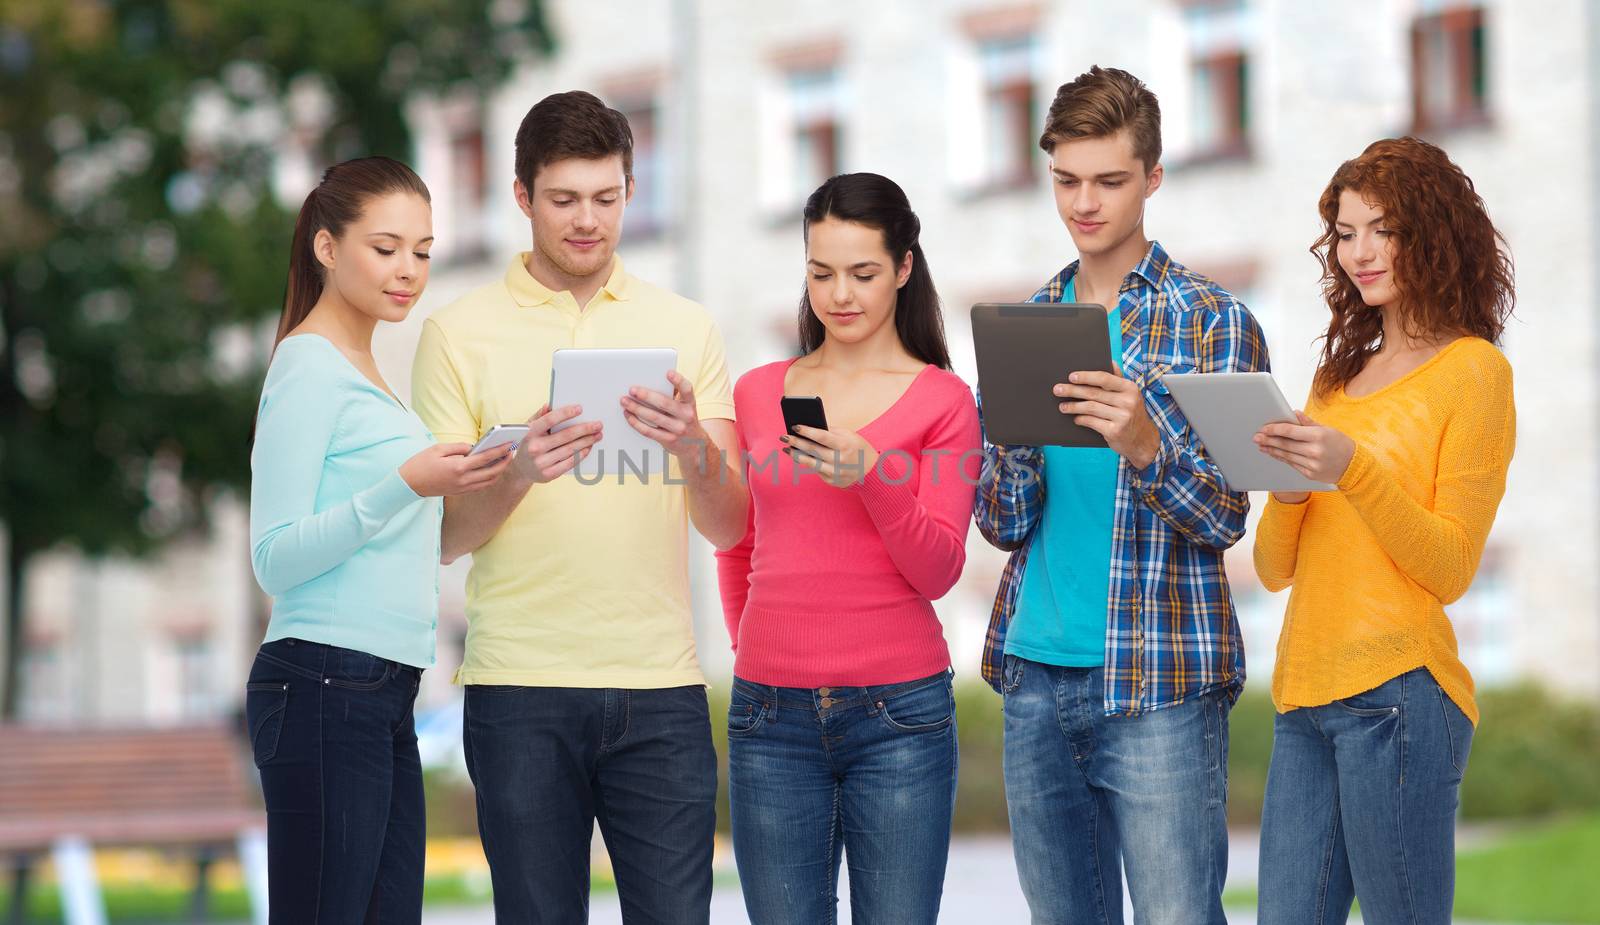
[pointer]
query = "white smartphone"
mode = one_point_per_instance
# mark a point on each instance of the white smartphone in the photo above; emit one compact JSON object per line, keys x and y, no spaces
{"x":513,"y":434}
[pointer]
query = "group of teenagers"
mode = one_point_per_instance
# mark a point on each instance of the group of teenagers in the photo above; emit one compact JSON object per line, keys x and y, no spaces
{"x":1113,"y":639}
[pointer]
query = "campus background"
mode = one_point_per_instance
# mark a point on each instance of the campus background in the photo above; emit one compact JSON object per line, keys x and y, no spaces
{"x":740,"y":109}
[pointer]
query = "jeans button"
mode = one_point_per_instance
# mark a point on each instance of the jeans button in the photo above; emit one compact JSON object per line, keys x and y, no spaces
{"x":825,"y":691}
{"x":827,"y":702}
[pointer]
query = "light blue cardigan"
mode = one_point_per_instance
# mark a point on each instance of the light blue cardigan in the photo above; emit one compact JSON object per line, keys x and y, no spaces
{"x":349,"y":553}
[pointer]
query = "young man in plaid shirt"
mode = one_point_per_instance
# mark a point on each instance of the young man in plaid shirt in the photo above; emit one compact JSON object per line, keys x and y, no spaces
{"x":1113,"y":638}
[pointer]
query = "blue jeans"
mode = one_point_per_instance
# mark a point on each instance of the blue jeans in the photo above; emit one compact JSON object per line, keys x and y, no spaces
{"x":1361,"y":801}
{"x":867,"y":770}
{"x":1089,"y":794}
{"x":549,"y":762}
{"x":331,"y":730}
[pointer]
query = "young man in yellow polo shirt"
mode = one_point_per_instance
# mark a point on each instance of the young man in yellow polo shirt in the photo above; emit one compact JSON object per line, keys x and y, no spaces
{"x":584,"y":698}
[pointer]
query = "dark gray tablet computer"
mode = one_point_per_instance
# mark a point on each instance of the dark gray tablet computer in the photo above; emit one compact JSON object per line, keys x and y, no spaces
{"x":1024,"y":350}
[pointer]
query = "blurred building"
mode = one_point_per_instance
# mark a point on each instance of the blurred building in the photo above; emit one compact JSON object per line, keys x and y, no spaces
{"x":740,"y":110}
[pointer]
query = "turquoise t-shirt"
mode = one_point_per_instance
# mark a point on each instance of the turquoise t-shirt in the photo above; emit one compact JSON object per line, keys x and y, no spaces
{"x":1060,"y":617}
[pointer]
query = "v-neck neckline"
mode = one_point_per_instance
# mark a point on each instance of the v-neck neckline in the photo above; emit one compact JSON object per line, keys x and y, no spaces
{"x":783,"y":386}
{"x":1405,"y":377}
{"x":379,"y":386}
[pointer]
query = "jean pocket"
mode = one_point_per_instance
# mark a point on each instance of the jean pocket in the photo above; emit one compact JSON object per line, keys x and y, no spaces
{"x":1010,"y":674}
{"x":1458,"y":729}
{"x":265,"y":703}
{"x":1383,"y":700}
{"x":926,"y":709}
{"x":356,"y":671}
{"x":746,"y":712}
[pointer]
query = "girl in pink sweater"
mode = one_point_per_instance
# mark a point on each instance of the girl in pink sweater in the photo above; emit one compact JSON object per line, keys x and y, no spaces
{"x":842,"y":728}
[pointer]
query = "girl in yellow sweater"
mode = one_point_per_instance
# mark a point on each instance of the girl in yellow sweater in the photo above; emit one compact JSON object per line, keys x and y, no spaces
{"x":1411,"y":416}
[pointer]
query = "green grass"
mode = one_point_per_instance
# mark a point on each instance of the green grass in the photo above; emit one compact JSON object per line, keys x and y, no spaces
{"x":127,"y":905}
{"x":1545,"y":873}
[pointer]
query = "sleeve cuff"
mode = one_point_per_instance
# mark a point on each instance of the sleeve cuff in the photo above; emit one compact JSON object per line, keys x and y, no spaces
{"x":1151,"y":475}
{"x":714,"y":410}
{"x":387,"y":498}
{"x":885,"y":501}
{"x":1283,"y":514}
{"x":1360,"y":467}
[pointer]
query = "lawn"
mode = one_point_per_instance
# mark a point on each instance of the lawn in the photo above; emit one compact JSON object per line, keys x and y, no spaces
{"x":1547,"y":873}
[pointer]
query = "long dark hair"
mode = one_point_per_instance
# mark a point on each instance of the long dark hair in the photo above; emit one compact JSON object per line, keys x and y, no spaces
{"x":878,"y":202}
{"x":1452,"y":268}
{"x":337,"y":201}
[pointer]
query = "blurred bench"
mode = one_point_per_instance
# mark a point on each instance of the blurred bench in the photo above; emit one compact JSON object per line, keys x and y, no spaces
{"x":64,"y":791}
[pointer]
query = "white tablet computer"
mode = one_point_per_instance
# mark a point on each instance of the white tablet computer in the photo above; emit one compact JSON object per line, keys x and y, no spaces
{"x":1226,"y":410}
{"x":597,"y":379}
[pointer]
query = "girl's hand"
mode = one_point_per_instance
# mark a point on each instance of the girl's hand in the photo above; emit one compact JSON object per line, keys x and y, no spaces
{"x":841,"y":459}
{"x":446,"y":469}
{"x":1316,"y":452}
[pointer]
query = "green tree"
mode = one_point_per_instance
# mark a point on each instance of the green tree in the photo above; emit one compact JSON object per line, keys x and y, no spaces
{"x":141,"y":242}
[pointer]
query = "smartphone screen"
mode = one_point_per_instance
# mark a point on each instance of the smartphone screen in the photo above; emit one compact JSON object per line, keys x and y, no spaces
{"x":803,"y":409}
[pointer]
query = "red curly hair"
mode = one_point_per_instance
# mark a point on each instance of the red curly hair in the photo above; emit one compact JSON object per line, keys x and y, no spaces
{"x":1451,"y":268}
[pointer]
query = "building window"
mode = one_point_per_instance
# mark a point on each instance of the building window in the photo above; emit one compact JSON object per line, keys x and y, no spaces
{"x":1219,"y":34}
{"x":1010,"y":132}
{"x":1481,"y":619}
{"x":647,"y":210}
{"x":1449,"y":73}
{"x":469,"y":192}
{"x":814,"y":107}
{"x":44,"y":683}
{"x":196,"y":693}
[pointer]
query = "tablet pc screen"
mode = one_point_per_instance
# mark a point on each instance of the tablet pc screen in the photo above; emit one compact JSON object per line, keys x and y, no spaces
{"x":1226,"y":410}
{"x":597,"y":379}
{"x":1024,"y":350}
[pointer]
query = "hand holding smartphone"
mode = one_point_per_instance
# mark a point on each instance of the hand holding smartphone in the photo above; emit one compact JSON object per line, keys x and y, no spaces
{"x":499,"y":434}
{"x":803,"y":410}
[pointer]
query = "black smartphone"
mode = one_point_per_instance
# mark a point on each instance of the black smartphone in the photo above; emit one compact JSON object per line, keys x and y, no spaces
{"x":803,"y":409}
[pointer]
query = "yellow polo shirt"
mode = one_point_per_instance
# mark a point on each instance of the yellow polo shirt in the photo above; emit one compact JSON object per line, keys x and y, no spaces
{"x":585,"y":585}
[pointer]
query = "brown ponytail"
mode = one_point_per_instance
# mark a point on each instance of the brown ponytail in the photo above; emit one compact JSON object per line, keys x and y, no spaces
{"x":337,"y":201}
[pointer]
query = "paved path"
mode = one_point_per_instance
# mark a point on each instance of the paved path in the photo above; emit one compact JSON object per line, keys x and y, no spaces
{"x":981,"y":886}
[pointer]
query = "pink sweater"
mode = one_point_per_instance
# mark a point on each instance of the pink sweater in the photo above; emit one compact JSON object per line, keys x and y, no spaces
{"x":832,"y":587}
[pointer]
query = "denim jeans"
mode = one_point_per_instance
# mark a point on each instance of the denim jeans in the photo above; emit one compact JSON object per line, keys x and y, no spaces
{"x":1361,"y":801}
{"x":1089,"y":794}
{"x":548,"y":762}
{"x":332,"y":732}
{"x":870,"y":771}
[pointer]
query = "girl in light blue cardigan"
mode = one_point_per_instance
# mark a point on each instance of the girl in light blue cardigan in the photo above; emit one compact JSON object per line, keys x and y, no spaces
{"x":345,"y":514}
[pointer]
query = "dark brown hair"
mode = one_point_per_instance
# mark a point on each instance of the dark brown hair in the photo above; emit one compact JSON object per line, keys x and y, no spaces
{"x":571,"y":124}
{"x":879,"y":203}
{"x":335,"y":204}
{"x":1102,"y":101}
{"x":1451,"y":268}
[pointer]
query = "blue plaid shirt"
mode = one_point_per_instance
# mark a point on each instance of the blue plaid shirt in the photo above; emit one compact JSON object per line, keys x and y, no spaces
{"x":1170,"y":627}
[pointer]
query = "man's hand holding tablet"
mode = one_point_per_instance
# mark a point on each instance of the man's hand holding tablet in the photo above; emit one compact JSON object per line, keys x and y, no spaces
{"x":1112,"y":406}
{"x":672,"y":421}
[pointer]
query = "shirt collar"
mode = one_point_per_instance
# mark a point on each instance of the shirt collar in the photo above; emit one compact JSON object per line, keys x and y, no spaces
{"x":1152,"y":269}
{"x":529,"y":292}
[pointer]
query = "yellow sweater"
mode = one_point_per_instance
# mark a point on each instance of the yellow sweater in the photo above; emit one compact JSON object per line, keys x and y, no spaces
{"x":1374,"y":563}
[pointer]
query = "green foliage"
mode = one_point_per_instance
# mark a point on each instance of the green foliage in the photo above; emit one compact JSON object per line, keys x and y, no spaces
{"x":1532,"y":754}
{"x":143,"y":246}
